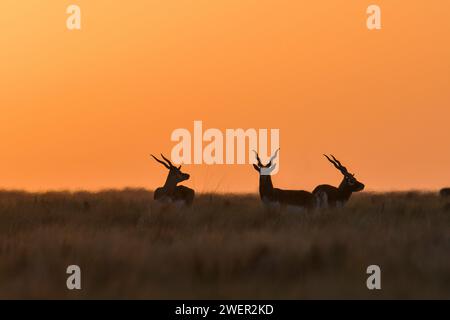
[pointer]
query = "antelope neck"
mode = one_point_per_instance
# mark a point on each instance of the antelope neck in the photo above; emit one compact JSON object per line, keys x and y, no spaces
{"x":345,"y":189}
{"x":265,"y":185}
{"x":170,"y":184}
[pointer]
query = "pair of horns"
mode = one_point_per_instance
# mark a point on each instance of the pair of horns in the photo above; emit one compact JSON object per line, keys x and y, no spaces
{"x":338,"y":165}
{"x":270,"y":161}
{"x":166,"y":164}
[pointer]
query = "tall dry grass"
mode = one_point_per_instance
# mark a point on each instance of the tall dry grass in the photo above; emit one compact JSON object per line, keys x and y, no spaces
{"x":223,"y":247}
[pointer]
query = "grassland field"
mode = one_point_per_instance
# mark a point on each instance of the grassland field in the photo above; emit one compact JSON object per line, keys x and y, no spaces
{"x":223,"y":247}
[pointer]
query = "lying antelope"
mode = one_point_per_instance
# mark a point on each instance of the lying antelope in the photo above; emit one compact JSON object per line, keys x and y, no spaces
{"x":274,"y":196}
{"x":171,"y":192}
{"x":336,"y":197}
{"x":445,"y":192}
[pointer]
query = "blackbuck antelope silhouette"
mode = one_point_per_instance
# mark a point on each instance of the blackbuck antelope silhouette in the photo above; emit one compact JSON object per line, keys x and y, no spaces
{"x":336,"y":197}
{"x":445,"y":192}
{"x":274,"y":196}
{"x":171,"y":192}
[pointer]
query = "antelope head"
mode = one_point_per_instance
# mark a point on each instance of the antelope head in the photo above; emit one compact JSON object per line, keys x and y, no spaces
{"x":349,"y":182}
{"x":265,"y":170}
{"x":175,"y":174}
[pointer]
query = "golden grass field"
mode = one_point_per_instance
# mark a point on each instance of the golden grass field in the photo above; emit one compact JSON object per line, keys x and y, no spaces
{"x":225,"y":246}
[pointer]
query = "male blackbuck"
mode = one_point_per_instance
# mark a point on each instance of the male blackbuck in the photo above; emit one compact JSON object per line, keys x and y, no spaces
{"x":327,"y":195}
{"x":274,"y":196}
{"x":445,"y":192}
{"x":171,"y":192}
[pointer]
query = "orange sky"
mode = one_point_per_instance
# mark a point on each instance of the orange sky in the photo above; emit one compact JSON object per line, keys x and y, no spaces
{"x":84,"y":109}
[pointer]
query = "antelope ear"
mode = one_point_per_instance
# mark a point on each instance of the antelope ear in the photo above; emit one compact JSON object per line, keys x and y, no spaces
{"x":256,"y":168}
{"x":179,"y":167}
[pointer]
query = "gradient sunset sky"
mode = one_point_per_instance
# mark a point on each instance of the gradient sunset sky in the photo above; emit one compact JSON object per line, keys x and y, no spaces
{"x":84,"y":109}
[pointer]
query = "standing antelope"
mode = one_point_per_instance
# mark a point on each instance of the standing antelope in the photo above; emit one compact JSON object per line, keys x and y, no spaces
{"x":337,"y":197}
{"x":274,"y":196}
{"x":170,"y":192}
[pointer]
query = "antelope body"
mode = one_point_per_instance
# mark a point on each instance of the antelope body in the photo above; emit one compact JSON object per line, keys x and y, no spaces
{"x":274,"y":196}
{"x":328,"y":195}
{"x":171,"y":192}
